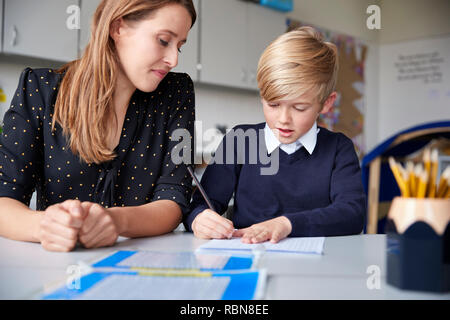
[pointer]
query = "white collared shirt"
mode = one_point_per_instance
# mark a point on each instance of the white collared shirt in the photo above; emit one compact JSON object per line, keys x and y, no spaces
{"x":308,"y":140}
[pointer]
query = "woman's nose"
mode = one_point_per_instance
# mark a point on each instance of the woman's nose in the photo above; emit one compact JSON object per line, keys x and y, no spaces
{"x":171,"y":57}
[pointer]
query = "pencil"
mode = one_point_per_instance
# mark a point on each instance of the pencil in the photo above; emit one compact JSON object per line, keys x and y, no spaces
{"x":417,"y":172}
{"x":398,"y":177}
{"x":447,"y":192}
{"x":442,"y":188}
{"x":202,"y":191}
{"x":411,"y":179}
{"x":433,"y":174}
{"x":423,"y":181}
{"x":427,"y":166}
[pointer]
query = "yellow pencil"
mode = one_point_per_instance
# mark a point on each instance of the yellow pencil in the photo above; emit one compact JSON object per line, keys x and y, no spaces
{"x":447,"y":192}
{"x":417,"y":172}
{"x":398,"y":177}
{"x":411,"y":179}
{"x":433,"y":174}
{"x":427,"y":165}
{"x":443,"y":181}
{"x":423,"y":181}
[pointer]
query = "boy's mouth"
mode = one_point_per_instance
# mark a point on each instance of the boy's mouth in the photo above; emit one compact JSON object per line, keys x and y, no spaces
{"x":285,"y":132}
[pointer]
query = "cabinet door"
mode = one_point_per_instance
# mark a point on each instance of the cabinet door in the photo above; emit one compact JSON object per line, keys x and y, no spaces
{"x":222,"y":42}
{"x":39,"y":29}
{"x":1,"y":25}
{"x":188,"y":58}
{"x":263,"y":26}
{"x":88,"y":8}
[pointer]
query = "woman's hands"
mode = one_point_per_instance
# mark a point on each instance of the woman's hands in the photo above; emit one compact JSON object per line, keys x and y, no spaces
{"x":63,"y":224}
{"x":99,"y":229}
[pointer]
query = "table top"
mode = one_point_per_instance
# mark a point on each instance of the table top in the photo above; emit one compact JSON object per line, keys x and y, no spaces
{"x":342,"y":272}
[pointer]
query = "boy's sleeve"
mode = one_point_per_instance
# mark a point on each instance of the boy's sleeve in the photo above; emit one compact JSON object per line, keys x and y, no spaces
{"x":175,"y":183}
{"x":346,"y":213}
{"x":219,"y":182}
{"x":21,"y":141}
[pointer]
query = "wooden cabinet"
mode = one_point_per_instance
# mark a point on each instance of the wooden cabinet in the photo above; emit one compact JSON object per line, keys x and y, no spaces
{"x":39,"y":29}
{"x":223,"y":42}
{"x":263,"y":26}
{"x":233,"y":34}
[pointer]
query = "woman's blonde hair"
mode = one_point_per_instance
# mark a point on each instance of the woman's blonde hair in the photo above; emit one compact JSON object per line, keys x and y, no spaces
{"x":83,"y":105}
{"x":296,"y":62}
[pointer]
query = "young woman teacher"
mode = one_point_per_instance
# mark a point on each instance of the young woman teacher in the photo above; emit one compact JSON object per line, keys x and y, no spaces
{"x":93,"y":138}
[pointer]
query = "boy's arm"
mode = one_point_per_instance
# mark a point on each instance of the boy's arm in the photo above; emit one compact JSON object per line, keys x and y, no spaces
{"x":219,"y":182}
{"x":346,"y":213}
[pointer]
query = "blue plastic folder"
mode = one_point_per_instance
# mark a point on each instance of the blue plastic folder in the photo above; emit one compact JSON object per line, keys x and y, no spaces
{"x":148,"y":275}
{"x":232,"y":263}
{"x":241,"y":285}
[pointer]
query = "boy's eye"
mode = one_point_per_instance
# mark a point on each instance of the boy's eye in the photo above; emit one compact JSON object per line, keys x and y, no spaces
{"x":273,"y":104}
{"x":164,"y":43}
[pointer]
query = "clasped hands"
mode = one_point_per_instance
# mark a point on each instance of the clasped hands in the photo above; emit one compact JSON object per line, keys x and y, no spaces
{"x":210,"y":225}
{"x":64,"y":224}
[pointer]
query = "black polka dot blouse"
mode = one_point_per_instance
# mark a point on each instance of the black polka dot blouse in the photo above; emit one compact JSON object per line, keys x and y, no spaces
{"x":33,"y":157}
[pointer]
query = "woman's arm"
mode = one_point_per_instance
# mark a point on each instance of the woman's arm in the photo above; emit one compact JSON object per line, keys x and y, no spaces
{"x":18,"y":222}
{"x":56,"y":228}
{"x":151,"y":219}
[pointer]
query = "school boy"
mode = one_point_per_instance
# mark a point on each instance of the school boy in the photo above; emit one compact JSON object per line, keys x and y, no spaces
{"x":317,"y":189}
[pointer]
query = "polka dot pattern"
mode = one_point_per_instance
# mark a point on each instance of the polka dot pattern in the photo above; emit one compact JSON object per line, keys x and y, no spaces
{"x":32,"y":157}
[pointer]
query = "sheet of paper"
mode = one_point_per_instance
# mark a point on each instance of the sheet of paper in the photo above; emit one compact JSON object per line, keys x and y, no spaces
{"x":313,"y":245}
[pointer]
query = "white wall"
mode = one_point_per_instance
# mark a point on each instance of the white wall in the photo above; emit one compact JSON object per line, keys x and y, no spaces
{"x":409,"y":27}
{"x":400,"y":20}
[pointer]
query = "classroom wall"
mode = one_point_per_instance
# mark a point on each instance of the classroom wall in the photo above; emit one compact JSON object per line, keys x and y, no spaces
{"x":412,"y":27}
{"x":401,"y":20}
{"x":404,"y":20}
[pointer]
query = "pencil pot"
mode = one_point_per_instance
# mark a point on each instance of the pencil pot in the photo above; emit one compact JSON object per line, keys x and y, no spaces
{"x":418,"y":244}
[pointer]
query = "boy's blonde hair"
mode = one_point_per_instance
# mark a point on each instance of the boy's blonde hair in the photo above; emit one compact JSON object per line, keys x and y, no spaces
{"x":296,"y":62}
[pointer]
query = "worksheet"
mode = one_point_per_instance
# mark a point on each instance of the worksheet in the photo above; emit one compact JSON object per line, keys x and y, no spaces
{"x":308,"y":245}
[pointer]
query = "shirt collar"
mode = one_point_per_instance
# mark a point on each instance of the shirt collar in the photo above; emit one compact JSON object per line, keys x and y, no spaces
{"x":308,"y":140}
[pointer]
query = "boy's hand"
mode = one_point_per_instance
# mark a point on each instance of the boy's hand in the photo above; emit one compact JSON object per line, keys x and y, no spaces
{"x":274,"y":230}
{"x":210,"y":225}
{"x":99,"y":229}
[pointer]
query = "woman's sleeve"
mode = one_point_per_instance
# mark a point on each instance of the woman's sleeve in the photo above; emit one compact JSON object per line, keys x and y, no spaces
{"x":174,"y":182}
{"x":21,"y":140}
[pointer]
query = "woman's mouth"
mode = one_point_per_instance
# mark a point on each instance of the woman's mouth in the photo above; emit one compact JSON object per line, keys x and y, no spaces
{"x":160,"y":73}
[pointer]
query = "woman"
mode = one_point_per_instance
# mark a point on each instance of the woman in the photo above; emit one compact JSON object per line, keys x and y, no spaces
{"x":93,"y":138}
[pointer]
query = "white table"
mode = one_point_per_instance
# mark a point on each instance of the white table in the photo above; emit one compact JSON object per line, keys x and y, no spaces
{"x":340,"y":273}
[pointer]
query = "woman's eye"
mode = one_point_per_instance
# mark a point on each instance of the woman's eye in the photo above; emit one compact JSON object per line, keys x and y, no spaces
{"x":273,"y":105}
{"x":164,"y":43}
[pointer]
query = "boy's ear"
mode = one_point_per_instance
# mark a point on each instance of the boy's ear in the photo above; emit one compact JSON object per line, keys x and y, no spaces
{"x":328,"y":104}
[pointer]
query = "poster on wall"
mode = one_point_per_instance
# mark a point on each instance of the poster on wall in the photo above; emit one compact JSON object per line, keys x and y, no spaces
{"x":347,"y":115}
